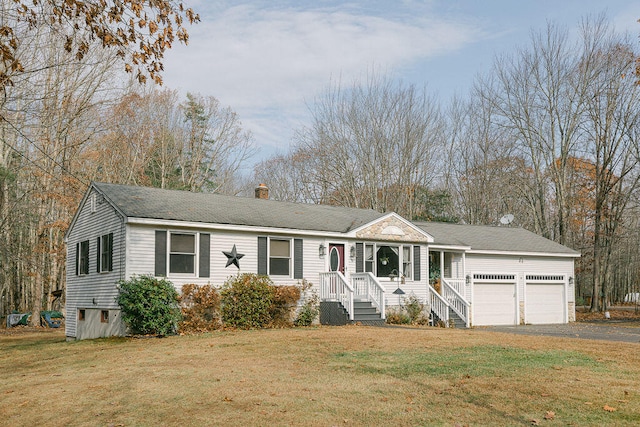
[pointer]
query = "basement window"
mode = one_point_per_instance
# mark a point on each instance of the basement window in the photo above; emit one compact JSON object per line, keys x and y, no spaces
{"x":104,"y":316}
{"x":81,"y":315}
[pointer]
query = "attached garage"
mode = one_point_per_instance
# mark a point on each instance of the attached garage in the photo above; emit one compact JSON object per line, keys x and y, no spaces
{"x":494,"y":299}
{"x":545,"y":300}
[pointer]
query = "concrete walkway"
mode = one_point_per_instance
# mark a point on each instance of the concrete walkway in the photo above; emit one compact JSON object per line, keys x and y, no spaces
{"x":607,"y":331}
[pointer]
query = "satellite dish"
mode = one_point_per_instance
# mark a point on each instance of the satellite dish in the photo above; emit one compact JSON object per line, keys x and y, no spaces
{"x":506,"y":219}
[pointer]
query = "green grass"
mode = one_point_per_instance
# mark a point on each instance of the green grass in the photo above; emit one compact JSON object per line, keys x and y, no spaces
{"x":485,"y":361}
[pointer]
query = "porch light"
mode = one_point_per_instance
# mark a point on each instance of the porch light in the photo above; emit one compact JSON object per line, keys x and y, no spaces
{"x":352,"y":251}
{"x":467,"y":279}
{"x":571,"y":281}
{"x":322,"y":250}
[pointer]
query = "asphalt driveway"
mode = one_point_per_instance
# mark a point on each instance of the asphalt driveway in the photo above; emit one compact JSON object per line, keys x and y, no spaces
{"x":606,"y":331}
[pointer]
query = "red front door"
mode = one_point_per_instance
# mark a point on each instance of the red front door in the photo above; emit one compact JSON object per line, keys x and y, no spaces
{"x":336,"y":257}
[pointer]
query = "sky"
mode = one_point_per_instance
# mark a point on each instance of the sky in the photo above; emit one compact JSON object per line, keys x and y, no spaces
{"x":269,"y":60}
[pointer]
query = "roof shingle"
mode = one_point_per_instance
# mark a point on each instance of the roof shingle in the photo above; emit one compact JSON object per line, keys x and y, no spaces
{"x":145,"y":202}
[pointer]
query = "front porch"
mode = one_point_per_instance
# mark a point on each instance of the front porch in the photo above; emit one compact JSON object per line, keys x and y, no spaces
{"x":363,"y":297}
{"x":360,"y":300}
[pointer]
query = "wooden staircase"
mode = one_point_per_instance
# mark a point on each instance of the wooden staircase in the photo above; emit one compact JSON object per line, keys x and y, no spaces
{"x":455,"y":321}
{"x":364,"y":313}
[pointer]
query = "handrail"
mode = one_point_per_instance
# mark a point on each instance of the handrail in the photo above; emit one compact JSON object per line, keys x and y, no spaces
{"x":456,"y":283}
{"x":334,"y":287}
{"x":439,"y":306}
{"x":366,"y":286}
{"x":456,"y":301}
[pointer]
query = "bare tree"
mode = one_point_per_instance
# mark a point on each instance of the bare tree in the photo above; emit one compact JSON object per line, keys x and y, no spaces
{"x":370,"y":145}
{"x":156,"y":140}
{"x":611,"y":125}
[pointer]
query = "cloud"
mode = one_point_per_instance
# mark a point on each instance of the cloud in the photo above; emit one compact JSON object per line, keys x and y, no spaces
{"x":270,"y":59}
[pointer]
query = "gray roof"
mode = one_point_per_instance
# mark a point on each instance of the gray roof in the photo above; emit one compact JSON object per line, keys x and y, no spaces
{"x":489,"y":238}
{"x":145,"y":202}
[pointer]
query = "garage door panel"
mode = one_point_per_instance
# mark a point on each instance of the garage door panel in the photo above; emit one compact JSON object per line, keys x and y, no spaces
{"x":544,"y":303}
{"x":494,"y":304}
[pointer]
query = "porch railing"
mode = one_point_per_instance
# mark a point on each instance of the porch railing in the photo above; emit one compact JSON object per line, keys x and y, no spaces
{"x":457,"y":284}
{"x":334,"y":287}
{"x":367,"y":287}
{"x":456,"y":301}
{"x":439,"y":306}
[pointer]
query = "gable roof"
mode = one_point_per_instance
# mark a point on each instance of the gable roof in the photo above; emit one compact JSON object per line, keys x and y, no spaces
{"x":155,"y":203}
{"x":491,"y":238}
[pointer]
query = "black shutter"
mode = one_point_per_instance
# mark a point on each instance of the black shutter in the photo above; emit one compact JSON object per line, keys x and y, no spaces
{"x":161,"y":253}
{"x":416,"y":262}
{"x":110,"y":257}
{"x":98,"y":250}
{"x":262,"y":255}
{"x":85,"y":256}
{"x":359,"y":257}
{"x":297,"y":259}
{"x":205,"y":259}
{"x":78,"y":259}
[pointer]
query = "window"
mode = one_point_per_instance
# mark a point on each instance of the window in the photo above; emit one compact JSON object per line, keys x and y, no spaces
{"x":368,"y":258}
{"x":82,"y":258}
{"x":387,"y":261}
{"x":280,"y":257}
{"x":182,"y":253}
{"x":81,"y":315}
{"x":406,"y":262}
{"x":105,"y":253}
{"x":104,"y":316}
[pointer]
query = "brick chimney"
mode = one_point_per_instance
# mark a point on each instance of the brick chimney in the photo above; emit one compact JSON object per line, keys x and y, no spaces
{"x":262,"y":191}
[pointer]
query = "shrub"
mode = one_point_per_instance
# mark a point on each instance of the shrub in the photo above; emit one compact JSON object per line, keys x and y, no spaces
{"x":285,"y":299}
{"x":247,"y":300}
{"x":310,"y":308}
{"x":200,"y":308}
{"x":397,"y":317}
{"x":411,"y":311}
{"x":149,"y":305}
{"x":415,"y":310}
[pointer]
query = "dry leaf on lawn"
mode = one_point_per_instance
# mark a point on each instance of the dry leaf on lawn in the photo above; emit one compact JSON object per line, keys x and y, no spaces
{"x":609,"y":408}
{"x":549,"y":415}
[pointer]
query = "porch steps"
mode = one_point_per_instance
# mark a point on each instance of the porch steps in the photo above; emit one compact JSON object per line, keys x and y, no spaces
{"x":364,"y":313}
{"x":455,"y":321}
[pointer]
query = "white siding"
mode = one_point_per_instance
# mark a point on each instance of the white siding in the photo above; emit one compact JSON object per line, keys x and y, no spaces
{"x":94,"y":290}
{"x":480,"y":263}
{"x":521,"y":266}
{"x":141,"y":255}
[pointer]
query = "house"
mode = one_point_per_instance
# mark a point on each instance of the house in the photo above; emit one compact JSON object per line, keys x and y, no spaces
{"x":359,"y":261}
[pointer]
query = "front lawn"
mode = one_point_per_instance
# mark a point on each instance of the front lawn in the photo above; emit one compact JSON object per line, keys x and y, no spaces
{"x":321,"y":376}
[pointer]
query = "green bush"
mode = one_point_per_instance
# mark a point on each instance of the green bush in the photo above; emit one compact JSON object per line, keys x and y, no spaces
{"x":149,"y":305}
{"x":310,"y":308}
{"x":247,"y":301}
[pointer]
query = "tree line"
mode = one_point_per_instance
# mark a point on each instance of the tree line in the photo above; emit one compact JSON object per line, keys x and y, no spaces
{"x":549,"y":135}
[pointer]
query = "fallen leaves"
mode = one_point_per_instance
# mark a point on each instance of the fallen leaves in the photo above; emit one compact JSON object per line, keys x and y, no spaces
{"x":609,"y":408}
{"x":549,"y":415}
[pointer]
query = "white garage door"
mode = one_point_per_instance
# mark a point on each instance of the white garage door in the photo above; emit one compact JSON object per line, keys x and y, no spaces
{"x":544,"y":302}
{"x":494,"y":301}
